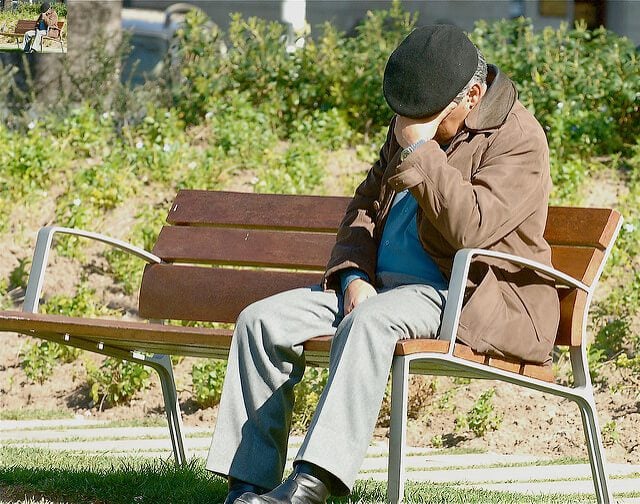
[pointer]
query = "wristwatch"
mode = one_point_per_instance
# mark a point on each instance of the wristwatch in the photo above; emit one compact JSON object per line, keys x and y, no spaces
{"x":408,"y":150}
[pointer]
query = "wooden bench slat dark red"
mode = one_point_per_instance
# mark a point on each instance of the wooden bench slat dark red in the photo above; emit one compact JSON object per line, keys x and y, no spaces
{"x":211,"y":294}
{"x":245,"y":247}
{"x":581,"y":227}
{"x":271,"y":211}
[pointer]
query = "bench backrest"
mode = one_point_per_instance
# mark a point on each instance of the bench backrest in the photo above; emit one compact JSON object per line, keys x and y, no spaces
{"x":226,"y":250}
{"x":24,"y":25}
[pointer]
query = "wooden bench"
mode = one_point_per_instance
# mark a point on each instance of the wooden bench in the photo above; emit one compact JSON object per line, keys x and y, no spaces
{"x":24,"y":25}
{"x":221,"y":251}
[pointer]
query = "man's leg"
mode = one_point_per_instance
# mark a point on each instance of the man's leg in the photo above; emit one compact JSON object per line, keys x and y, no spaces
{"x":26,"y":46}
{"x":37,"y":43}
{"x":361,"y":356}
{"x":265,"y":362}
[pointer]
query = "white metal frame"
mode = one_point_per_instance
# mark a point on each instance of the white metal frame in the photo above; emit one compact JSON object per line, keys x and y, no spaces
{"x":433,"y":363}
{"x":159,"y":362}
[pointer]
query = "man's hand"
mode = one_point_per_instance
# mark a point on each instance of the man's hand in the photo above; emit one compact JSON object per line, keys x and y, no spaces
{"x":357,"y":291}
{"x":409,"y":131}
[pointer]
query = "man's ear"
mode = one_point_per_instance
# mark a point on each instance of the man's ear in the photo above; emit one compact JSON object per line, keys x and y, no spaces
{"x":474,"y":95}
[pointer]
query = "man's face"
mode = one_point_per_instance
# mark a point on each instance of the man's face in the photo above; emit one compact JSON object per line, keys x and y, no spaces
{"x":451,"y":123}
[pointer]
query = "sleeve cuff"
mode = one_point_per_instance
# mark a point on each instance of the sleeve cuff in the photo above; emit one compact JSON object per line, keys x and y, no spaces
{"x":349,"y":275}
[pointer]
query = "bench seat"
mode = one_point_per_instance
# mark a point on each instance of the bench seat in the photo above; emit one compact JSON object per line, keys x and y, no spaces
{"x":212,"y":343}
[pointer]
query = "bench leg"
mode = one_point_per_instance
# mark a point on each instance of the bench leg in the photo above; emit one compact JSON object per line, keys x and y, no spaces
{"x":398,"y":429}
{"x":595,"y":448}
{"x":587,"y":405}
{"x":162,"y":365}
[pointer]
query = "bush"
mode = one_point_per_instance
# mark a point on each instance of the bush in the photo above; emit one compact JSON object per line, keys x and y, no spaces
{"x":481,"y":417}
{"x":307,"y":395}
{"x":581,"y":84}
{"x":116,"y":381}
{"x":335,"y":72}
{"x":207,"y":378}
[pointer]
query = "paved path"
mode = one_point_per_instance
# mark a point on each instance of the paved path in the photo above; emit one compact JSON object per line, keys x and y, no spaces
{"x":512,"y":473}
{"x":7,"y":47}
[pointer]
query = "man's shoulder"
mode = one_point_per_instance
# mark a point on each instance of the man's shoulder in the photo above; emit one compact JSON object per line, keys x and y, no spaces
{"x":521,"y":122}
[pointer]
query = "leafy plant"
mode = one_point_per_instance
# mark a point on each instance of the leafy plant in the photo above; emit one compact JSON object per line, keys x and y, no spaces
{"x":207,"y":378}
{"x":20,"y":274}
{"x":39,"y":360}
{"x":307,"y":395}
{"x":481,"y":417}
{"x":116,"y":381}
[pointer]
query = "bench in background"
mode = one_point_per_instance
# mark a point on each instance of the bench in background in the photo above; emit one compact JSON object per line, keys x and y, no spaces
{"x":222,"y":251}
{"x":24,"y":25}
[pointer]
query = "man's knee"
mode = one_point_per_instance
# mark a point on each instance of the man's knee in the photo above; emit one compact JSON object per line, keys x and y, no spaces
{"x":260,"y":323}
{"x":373,"y":321}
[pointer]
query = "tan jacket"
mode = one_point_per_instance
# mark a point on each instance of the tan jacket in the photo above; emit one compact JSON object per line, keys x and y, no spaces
{"x":489,"y":190}
{"x":51,"y":19}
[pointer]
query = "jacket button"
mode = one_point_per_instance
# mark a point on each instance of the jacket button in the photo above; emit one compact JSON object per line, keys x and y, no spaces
{"x":376,"y":205}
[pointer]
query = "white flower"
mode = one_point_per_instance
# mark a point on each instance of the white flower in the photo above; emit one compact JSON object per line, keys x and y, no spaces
{"x":192,"y":165}
{"x":629,"y":228}
{"x":139,"y":144}
{"x":105,"y":115}
{"x":255,"y":180}
{"x":208,"y":115}
{"x":166,"y":147}
{"x":31,"y":125}
{"x":77,"y":201}
{"x":560,"y":105}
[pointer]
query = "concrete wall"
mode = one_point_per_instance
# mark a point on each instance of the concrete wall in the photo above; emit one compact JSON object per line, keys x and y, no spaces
{"x":623,"y":17}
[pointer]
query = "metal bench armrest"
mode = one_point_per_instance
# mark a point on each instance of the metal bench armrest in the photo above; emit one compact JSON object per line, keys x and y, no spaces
{"x":458,"y":283}
{"x":41,"y":256}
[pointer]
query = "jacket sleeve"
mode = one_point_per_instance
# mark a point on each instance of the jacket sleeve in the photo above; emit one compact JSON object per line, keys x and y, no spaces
{"x":356,"y":245}
{"x":503,"y":191}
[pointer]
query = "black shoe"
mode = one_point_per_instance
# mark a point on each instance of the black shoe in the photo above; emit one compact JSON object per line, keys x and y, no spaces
{"x":299,"y":488}
{"x":238,"y":487}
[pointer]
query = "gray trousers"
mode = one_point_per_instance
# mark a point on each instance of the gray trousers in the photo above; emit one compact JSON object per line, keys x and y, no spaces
{"x":266,"y":360}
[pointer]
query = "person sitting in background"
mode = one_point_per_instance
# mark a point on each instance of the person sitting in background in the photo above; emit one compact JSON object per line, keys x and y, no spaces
{"x":47,"y":21}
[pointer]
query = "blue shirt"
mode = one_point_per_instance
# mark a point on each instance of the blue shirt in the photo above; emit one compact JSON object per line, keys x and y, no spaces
{"x":400,"y":250}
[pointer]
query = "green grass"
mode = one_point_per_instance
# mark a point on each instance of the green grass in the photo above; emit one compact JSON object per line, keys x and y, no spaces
{"x":34,"y":414}
{"x":86,"y":479}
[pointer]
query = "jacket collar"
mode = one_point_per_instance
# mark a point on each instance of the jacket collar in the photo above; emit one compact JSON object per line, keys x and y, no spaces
{"x":495,"y":105}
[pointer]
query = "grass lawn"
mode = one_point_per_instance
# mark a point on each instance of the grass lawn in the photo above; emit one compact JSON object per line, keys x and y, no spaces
{"x":31,"y":474}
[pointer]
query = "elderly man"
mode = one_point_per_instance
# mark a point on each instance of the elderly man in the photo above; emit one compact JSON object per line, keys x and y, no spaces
{"x":464,"y":165}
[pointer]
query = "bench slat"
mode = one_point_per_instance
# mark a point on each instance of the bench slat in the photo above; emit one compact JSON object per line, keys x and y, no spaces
{"x":571,"y":226}
{"x":585,"y":227}
{"x":247,"y":247}
{"x":211,"y":294}
{"x":267,"y":211}
{"x":581,"y":263}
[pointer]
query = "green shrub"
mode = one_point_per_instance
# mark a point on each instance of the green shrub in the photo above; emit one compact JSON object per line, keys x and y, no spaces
{"x":334,"y":72}
{"x":207,"y":378}
{"x":38,"y":360}
{"x":19,"y":275}
{"x":581,"y":84}
{"x":481,"y":417}
{"x":307,"y":395}
{"x":116,"y":381}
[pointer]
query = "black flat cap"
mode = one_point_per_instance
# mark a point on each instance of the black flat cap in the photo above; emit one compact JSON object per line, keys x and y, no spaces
{"x":428,"y":69}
